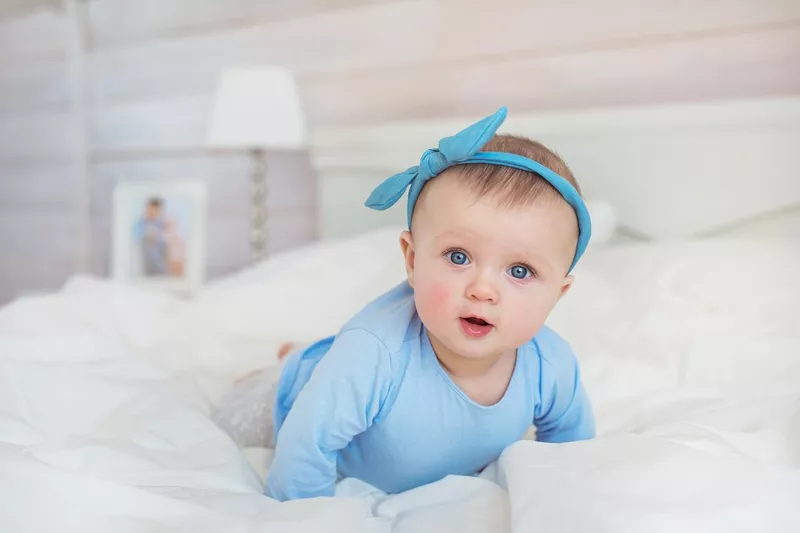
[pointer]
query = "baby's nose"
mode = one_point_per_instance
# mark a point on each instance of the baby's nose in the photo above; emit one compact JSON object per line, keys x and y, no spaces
{"x":483,"y":290}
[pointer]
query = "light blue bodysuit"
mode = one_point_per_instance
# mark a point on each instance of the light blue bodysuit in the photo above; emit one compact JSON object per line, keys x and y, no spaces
{"x":374,"y":403}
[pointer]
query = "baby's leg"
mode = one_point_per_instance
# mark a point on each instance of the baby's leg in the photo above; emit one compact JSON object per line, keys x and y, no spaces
{"x":245,"y":413}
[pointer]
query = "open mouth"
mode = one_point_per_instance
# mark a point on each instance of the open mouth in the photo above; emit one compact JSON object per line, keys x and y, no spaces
{"x":477,"y":321}
{"x":475,"y":327}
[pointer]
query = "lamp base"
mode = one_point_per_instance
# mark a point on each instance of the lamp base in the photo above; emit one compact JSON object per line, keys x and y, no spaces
{"x":258,"y":207}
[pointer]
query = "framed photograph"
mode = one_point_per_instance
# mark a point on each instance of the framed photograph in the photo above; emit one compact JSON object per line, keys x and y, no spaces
{"x":159,"y":234}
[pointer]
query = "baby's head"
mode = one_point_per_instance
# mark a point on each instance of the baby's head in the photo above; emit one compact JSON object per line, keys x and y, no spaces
{"x":490,"y":250}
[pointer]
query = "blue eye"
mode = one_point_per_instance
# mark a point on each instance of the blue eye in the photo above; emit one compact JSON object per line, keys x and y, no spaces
{"x":457,"y":257}
{"x":519,"y":272}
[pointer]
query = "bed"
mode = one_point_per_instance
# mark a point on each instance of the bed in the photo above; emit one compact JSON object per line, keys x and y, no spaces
{"x":688,"y":336}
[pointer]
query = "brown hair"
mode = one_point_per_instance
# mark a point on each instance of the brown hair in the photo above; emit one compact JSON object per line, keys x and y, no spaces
{"x":513,"y":187}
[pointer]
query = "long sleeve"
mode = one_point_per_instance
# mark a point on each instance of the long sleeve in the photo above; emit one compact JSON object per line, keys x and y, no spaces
{"x":564,"y":412}
{"x":342,"y":399}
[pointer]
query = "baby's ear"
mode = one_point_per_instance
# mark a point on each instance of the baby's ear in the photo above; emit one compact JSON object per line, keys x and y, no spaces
{"x":565,"y":286}
{"x":407,"y":247}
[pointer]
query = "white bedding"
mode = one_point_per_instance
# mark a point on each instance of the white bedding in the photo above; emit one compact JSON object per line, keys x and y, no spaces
{"x":691,"y":353}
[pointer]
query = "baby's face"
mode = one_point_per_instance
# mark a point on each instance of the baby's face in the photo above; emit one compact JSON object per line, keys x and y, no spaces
{"x":486,"y":277}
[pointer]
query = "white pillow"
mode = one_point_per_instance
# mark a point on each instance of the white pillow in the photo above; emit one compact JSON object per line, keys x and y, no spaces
{"x":604,"y":221}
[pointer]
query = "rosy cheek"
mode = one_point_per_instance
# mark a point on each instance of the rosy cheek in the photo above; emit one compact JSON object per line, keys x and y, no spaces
{"x":440,"y":295}
{"x":434,"y":296}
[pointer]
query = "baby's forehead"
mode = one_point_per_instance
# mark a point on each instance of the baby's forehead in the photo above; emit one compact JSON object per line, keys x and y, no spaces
{"x":544,"y":225}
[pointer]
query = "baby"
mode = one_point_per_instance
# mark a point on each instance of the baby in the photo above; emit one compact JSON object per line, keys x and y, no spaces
{"x":443,"y":372}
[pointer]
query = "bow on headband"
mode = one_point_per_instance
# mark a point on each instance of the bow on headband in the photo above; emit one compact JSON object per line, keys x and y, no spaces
{"x":464,"y":148}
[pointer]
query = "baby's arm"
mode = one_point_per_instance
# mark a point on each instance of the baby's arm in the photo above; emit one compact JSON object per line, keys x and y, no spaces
{"x":341,"y":399}
{"x":564,"y":412}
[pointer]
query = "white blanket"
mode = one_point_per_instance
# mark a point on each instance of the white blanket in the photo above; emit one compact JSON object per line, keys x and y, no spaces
{"x":691,"y":353}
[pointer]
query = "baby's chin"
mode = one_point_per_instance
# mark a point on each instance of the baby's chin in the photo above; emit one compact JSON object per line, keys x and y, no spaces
{"x":475,"y":349}
{"x":460,"y":344}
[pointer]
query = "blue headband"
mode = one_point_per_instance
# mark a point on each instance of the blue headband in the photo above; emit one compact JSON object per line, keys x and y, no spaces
{"x":463,"y":148}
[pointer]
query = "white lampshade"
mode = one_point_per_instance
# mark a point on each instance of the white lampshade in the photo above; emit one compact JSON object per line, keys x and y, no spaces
{"x":257,"y":107}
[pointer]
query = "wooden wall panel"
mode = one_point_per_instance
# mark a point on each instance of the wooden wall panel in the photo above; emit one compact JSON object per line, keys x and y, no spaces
{"x":38,"y":184}
{"x":717,"y":67}
{"x":38,"y":136}
{"x":38,"y":246}
{"x":150,"y":125}
{"x":101,"y":236}
{"x":32,"y":34}
{"x":749,"y":65}
{"x":31,"y":86}
{"x":386,"y":37}
{"x":116,"y":21}
{"x":16,"y":8}
{"x":38,"y":234}
{"x":39,"y":227}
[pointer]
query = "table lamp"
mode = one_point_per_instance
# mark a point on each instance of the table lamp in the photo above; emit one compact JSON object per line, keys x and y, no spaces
{"x":257,"y":109}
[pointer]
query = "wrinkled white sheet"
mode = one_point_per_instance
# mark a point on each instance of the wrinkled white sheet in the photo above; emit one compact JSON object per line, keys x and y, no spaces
{"x":691,"y":353}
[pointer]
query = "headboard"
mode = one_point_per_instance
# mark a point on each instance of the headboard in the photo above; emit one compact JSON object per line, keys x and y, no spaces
{"x":669,"y":170}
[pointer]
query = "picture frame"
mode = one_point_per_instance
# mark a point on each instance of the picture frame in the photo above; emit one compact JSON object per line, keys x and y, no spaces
{"x":159,"y":235}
